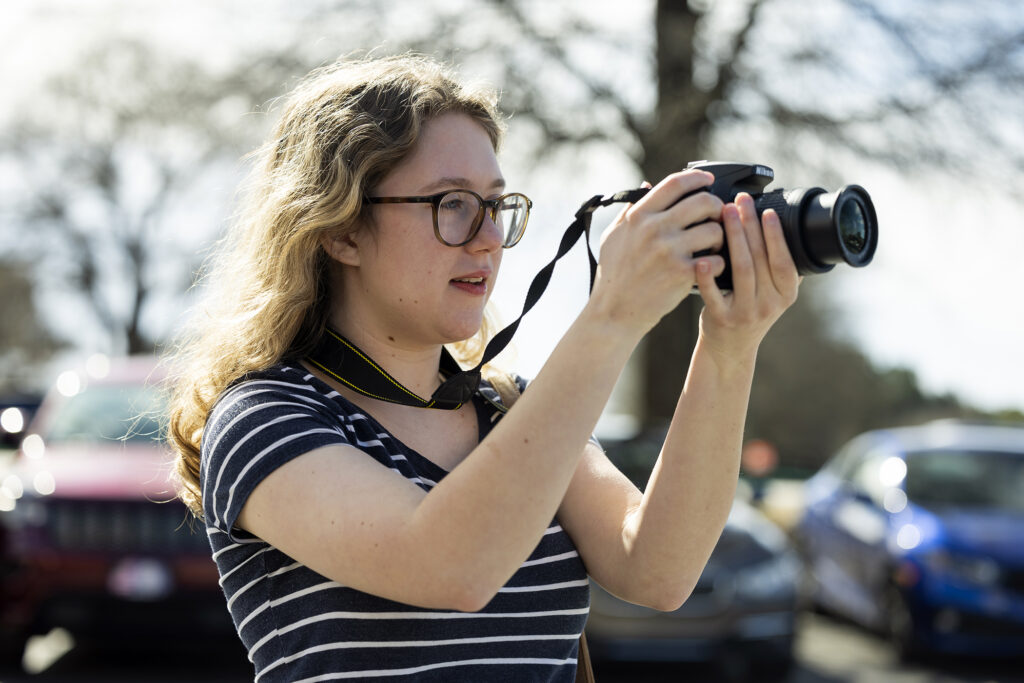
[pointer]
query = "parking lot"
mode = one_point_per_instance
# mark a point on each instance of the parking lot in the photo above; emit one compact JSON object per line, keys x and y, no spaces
{"x":828,"y":651}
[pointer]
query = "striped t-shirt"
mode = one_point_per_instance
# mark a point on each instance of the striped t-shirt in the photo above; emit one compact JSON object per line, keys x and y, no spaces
{"x":299,"y":626}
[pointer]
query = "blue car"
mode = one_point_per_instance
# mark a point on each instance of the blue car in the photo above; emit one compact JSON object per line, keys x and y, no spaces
{"x":741,"y":616}
{"x":918,"y":532}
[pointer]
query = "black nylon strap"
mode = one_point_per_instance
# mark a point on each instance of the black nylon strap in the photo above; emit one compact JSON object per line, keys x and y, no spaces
{"x":462,"y":385}
{"x":347,"y":363}
{"x":342,"y":360}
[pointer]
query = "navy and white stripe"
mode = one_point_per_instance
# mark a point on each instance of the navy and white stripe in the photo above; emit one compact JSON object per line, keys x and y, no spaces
{"x":300,"y":626}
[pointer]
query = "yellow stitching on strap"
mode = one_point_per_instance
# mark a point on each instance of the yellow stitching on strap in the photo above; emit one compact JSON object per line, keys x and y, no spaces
{"x":377,"y":368}
{"x":353,"y":386}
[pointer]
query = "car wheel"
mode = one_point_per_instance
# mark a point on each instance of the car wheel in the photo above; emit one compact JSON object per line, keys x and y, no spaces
{"x":12,"y":649}
{"x":767,"y":669}
{"x":733,"y":668}
{"x":776,"y":663}
{"x":900,"y":626}
{"x":808,"y":590}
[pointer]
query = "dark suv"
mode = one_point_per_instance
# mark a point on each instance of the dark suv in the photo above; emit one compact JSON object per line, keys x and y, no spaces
{"x":96,"y":542}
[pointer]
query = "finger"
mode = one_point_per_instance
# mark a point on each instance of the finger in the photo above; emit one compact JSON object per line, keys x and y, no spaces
{"x":744,"y":283}
{"x":714,"y":299}
{"x":704,"y":237}
{"x":628,"y":209}
{"x":693,"y":210}
{"x":717,"y":264}
{"x":780,"y":260}
{"x":672,"y":188}
{"x":755,"y":237}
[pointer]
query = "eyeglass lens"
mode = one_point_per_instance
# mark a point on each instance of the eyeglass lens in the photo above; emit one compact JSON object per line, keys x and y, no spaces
{"x":457,"y":214}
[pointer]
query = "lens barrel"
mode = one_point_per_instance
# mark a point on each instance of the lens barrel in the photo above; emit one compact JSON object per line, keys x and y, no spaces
{"x":821,"y":228}
{"x":825,"y":228}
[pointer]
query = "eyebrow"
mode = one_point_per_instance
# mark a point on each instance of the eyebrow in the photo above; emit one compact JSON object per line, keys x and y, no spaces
{"x":453,"y":182}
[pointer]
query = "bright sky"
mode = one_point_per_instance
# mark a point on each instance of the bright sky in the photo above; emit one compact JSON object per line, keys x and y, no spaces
{"x":942,"y":297}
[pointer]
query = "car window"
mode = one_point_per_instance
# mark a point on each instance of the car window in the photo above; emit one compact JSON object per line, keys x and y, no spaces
{"x":846,"y":461}
{"x":966,"y":479}
{"x":867,"y":478}
{"x":108,"y":412}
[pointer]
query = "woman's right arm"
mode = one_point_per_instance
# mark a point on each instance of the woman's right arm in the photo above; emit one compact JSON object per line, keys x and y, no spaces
{"x":359,"y":523}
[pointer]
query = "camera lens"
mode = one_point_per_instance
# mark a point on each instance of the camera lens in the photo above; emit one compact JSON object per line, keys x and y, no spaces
{"x":831,"y":227}
{"x":821,"y":228}
{"x":853,"y":229}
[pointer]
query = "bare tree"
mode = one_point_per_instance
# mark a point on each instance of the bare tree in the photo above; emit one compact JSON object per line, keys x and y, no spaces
{"x":123,"y":143}
{"x":921,"y":86}
{"x":112,"y":158}
{"x":25,"y":342}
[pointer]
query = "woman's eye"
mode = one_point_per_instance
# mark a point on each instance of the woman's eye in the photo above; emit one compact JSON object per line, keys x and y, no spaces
{"x":453,"y":205}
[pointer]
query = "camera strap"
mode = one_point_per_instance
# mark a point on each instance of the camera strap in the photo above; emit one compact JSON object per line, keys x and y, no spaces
{"x":345,"y":362}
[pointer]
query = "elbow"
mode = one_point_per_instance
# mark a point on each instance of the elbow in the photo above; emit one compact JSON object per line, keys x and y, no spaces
{"x":668,"y":602}
{"x":456,"y":596}
{"x":666,"y":596}
{"x":470,"y":596}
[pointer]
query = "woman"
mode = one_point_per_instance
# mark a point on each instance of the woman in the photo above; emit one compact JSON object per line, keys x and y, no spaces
{"x":361,"y":538}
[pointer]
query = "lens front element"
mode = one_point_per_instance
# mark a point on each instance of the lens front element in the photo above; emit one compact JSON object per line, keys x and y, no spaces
{"x":853,"y":229}
{"x":830,"y":227}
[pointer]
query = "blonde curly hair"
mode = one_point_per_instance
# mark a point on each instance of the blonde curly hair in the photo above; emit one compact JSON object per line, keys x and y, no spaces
{"x":341,"y":131}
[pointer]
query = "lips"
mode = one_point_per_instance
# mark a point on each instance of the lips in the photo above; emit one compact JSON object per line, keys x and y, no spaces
{"x":472,"y":283}
{"x":475,"y":278}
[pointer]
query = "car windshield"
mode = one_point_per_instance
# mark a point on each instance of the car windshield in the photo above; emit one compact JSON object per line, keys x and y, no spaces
{"x":966,"y":479}
{"x":125,"y":412}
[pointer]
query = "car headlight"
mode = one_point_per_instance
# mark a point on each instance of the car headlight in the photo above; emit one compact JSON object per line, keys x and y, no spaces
{"x":772,"y":579}
{"x":979,"y":571}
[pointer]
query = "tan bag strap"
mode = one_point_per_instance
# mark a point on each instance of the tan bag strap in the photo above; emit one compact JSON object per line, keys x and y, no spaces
{"x":584,"y":669}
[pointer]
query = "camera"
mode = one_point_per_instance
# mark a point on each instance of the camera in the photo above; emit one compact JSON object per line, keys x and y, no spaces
{"x":821,"y":228}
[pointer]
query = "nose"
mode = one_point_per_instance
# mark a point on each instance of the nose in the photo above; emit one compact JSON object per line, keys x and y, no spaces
{"x":489,"y":237}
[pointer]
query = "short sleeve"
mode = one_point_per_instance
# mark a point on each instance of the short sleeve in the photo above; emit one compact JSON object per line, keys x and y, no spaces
{"x":254,"y":428}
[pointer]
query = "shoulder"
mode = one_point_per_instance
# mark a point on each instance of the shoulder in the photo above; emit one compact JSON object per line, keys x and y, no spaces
{"x":282,"y":382}
{"x":261,"y":422}
{"x":502,"y":389}
{"x":284,"y":393}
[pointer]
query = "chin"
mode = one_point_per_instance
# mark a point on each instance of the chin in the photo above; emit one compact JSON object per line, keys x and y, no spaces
{"x":459,"y":338}
{"x":462,"y":332}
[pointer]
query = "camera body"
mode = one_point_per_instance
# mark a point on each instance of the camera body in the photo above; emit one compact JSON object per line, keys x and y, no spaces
{"x":821,"y":228}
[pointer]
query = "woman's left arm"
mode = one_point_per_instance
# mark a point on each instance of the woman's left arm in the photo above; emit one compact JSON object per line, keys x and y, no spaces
{"x":651,"y":548}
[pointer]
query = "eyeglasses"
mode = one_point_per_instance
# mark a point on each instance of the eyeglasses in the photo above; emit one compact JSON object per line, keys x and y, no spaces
{"x":458,"y":214}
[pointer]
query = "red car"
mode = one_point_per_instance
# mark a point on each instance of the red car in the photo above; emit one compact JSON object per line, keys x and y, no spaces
{"x":96,"y":542}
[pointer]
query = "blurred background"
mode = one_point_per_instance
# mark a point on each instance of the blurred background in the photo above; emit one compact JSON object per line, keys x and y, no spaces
{"x":123,"y":138}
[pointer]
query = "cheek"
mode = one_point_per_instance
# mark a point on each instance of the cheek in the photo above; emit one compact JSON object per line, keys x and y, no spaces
{"x":406,"y":254}
{"x":497,"y":268}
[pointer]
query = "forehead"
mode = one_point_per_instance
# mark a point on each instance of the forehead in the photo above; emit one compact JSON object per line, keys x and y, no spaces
{"x":450,"y":146}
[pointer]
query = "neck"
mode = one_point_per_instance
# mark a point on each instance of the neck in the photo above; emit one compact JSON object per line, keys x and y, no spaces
{"x":415,"y":366}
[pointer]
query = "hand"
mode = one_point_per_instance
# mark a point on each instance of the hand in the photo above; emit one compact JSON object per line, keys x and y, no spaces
{"x":647,"y":263}
{"x":764,"y":280}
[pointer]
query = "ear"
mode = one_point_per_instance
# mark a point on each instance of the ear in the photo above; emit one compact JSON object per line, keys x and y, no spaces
{"x":342,"y":247}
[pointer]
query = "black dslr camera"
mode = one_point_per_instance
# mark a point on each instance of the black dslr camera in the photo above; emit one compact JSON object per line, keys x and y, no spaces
{"x":821,"y":228}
